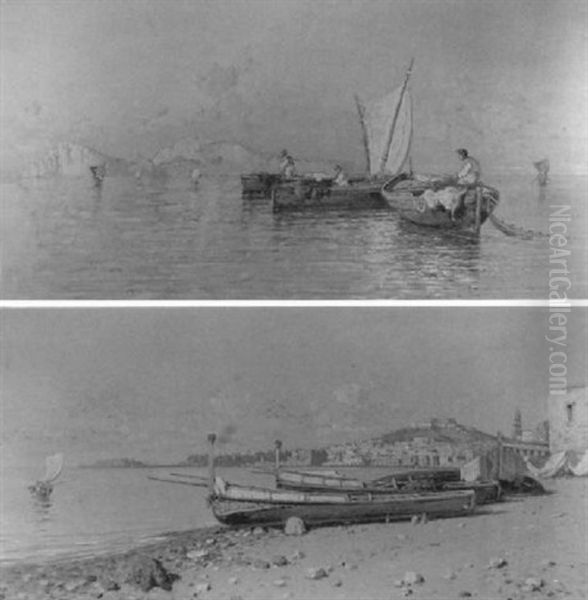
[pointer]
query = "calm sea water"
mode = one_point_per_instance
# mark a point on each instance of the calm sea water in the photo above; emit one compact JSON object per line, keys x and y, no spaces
{"x":63,"y":239}
{"x":97,"y":510}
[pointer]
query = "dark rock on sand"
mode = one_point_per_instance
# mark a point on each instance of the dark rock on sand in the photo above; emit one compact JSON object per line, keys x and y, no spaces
{"x":147,"y":573}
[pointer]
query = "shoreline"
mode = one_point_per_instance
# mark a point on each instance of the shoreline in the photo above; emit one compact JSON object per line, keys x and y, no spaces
{"x":523,"y":547}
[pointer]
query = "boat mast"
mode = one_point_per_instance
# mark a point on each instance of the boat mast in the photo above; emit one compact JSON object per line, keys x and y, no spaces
{"x":278,"y":447}
{"x":384,"y":158}
{"x":361,"y":113}
{"x":211,"y":437}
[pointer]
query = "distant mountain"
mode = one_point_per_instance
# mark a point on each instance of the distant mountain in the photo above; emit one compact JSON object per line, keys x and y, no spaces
{"x":74,"y":160}
{"x":439,"y":430}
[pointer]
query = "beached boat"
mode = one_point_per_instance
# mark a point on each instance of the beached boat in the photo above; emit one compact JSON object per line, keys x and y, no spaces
{"x":240,"y":505}
{"x":408,"y":480}
{"x":245,"y":505}
{"x":396,"y":479}
{"x":429,"y":202}
{"x":399,"y":480}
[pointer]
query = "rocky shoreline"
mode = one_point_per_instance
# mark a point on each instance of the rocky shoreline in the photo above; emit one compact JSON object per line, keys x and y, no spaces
{"x":531,"y":547}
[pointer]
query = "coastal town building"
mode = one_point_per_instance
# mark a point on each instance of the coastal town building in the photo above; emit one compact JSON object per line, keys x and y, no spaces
{"x":528,"y":443}
{"x":434,"y":443}
{"x":568,"y":420}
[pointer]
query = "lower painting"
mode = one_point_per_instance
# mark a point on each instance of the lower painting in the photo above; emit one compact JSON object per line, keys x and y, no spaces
{"x":294,"y":452}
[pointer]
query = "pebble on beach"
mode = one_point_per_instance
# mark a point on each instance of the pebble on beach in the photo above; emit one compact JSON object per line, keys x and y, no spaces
{"x":294,"y":526}
{"x":316,"y":573}
{"x":412,"y":578}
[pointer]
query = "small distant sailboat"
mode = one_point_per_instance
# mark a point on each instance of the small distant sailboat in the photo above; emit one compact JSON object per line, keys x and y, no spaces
{"x":542,"y":167}
{"x":43,"y":488}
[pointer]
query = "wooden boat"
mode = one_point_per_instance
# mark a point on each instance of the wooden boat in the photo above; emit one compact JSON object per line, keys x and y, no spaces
{"x":432,"y":480}
{"x":306,"y":193}
{"x":398,"y":480}
{"x":258,"y":184}
{"x":43,"y":488}
{"x":387,"y":132}
{"x":409,"y":196}
{"x":242,"y":505}
{"x":239,"y":505}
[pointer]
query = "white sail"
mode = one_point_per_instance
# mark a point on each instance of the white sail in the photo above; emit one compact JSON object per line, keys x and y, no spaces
{"x":53,"y":466}
{"x":380,"y":117}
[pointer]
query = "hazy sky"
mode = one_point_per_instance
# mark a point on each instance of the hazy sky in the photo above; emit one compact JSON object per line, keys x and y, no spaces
{"x":505,"y":78}
{"x":152,"y":382}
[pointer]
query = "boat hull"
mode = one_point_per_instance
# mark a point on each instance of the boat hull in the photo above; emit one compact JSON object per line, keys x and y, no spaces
{"x":407,"y":198}
{"x":407,"y":482}
{"x":486,"y":492}
{"x":258,"y":184}
{"x":305,"y":194}
{"x":241,"y":506}
{"x":409,"y":479}
{"x":366,"y":508}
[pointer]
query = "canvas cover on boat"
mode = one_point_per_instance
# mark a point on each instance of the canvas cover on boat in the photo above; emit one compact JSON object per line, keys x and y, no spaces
{"x":379,"y":119}
{"x":581,"y":468}
{"x":560,"y":464}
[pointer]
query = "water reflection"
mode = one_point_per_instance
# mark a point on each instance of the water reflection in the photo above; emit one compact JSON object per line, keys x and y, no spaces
{"x":41,"y":510}
{"x":542,"y":195}
{"x":75,"y":240}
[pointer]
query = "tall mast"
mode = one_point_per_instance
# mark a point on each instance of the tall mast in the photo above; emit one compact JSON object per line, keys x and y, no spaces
{"x":361,"y":113}
{"x":384,"y":158}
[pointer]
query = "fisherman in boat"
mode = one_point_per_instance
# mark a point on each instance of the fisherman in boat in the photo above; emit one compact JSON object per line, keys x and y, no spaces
{"x":98,"y":174}
{"x":542,"y":167}
{"x":340,"y":177}
{"x":287,"y":165}
{"x":470,"y":172}
{"x":41,"y":490}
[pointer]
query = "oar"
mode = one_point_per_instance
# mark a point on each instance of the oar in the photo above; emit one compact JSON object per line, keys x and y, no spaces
{"x":190,"y":476}
{"x":193,"y":483}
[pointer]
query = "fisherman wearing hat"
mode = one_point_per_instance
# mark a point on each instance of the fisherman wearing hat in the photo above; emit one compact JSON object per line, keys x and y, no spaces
{"x":470,"y":172}
{"x":287,"y":166}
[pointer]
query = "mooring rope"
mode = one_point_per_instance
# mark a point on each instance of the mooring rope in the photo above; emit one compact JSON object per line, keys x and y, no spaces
{"x":514,"y":230}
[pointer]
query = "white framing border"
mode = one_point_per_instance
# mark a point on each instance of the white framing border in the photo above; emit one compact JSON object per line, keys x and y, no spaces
{"x":573,"y":303}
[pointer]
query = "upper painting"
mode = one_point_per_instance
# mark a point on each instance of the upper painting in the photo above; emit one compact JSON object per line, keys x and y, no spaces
{"x":294,"y":149}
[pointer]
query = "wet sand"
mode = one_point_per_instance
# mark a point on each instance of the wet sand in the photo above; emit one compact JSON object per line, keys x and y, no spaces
{"x":524,"y":547}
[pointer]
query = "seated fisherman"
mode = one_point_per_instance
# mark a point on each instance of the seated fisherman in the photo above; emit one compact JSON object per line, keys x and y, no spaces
{"x":340,"y":177}
{"x":470,"y":172}
{"x":287,"y":165}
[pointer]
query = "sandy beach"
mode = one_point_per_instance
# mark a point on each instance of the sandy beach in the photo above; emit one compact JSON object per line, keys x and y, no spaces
{"x":522,"y":547}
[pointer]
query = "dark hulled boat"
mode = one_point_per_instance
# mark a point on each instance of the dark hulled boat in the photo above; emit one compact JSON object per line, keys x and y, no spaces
{"x":466,"y":209}
{"x":239,"y":505}
{"x":242,"y":505}
{"x":307,"y":193}
{"x":259,"y":184}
